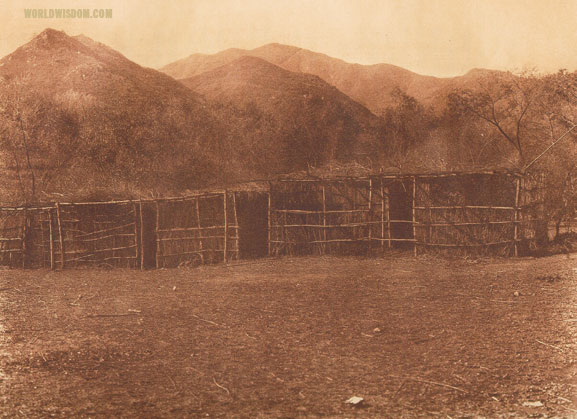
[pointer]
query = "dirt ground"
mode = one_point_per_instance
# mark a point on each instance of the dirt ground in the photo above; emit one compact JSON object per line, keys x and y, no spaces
{"x":293,"y":337}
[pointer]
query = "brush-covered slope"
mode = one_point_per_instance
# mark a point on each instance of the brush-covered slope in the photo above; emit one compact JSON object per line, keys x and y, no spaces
{"x":315,"y":121}
{"x":89,"y":118}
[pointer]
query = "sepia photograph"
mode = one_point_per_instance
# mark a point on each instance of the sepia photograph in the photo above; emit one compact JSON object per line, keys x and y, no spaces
{"x":283,"y":209}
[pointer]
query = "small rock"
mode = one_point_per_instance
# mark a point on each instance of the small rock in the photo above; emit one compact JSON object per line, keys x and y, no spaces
{"x":355,"y":401}
{"x":376,"y":330}
{"x":174,"y":288}
{"x":516,"y":293}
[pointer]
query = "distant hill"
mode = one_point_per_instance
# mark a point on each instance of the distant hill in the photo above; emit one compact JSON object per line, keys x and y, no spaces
{"x":128,"y":126}
{"x":370,"y":85}
{"x":314,"y":119}
{"x":95,"y":121}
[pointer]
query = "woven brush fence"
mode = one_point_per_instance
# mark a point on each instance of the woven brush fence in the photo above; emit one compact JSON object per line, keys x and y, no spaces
{"x":475,"y":213}
{"x":469,"y":214}
{"x":12,"y":243}
{"x":319,"y":217}
{"x":196,"y":230}
{"x":99,"y":234}
{"x":129,"y":234}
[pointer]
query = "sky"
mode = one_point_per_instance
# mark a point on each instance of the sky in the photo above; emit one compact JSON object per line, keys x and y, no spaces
{"x":441,"y":38}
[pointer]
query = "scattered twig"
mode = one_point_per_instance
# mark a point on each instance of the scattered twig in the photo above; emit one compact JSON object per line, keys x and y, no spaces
{"x":569,"y":409}
{"x":112,"y":315}
{"x":278,"y":378}
{"x":219,"y":386}
{"x":172,"y":381}
{"x":252,"y":337}
{"x":564,"y":399}
{"x":400,"y":387}
{"x":552,"y":346}
{"x":430,"y":382}
{"x":74,"y":303}
{"x":207,"y":321}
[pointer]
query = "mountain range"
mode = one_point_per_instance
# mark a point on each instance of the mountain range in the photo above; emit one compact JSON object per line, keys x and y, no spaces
{"x":79,"y":117}
{"x":370,"y":85}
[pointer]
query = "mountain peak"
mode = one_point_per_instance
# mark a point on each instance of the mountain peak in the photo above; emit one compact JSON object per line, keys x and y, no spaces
{"x":50,"y":37}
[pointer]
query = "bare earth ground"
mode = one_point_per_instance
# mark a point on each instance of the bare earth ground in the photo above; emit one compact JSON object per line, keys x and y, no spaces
{"x":293,"y":337}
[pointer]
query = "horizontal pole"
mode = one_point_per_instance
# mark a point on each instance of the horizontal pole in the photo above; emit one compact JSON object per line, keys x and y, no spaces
{"x":168,"y":230}
{"x":319,"y":211}
{"x":104,"y":231}
{"x":102,"y":238}
{"x":83,"y":258}
{"x":467,"y":245}
{"x":425,"y":224}
{"x":197,"y":252}
{"x":467,"y":207}
{"x":168,"y":239}
{"x":11,"y":250}
{"x":69,"y":252}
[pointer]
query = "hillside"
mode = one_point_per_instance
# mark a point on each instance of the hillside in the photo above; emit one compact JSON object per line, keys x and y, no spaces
{"x":370,"y":85}
{"x":316,"y":120}
{"x":95,"y":120}
{"x":81,"y":120}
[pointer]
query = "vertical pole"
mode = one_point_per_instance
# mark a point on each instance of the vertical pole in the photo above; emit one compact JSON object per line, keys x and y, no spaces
{"x":141,"y":217}
{"x":324,"y":220}
{"x":269,"y":218}
{"x":516,"y":230}
{"x":50,"y":231}
{"x":236,"y":250}
{"x":157,"y":231}
{"x":389,"y":230}
{"x":225,"y":227}
{"x":414,"y":216}
{"x":24,"y":234}
{"x":200,"y":246}
{"x":136,"y":246}
{"x":369,"y":216}
{"x":383,"y":217}
{"x":42,"y":238}
{"x":60,"y":237}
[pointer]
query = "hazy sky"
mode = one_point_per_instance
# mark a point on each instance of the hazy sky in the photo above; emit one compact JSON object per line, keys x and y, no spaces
{"x":435,"y":37}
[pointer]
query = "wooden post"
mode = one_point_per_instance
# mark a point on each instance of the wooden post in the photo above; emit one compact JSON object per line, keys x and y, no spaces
{"x":369,"y":216}
{"x":236,"y":254}
{"x":50,"y":231}
{"x":23,"y":241}
{"x":269,"y":219}
{"x":156,"y":230}
{"x":225,"y":228}
{"x":383,"y":217}
{"x":389,"y":230}
{"x":516,"y":230}
{"x":141,"y":218}
{"x":414,"y":216}
{"x":200,"y":245}
{"x":324,"y":248}
{"x":60,"y":237}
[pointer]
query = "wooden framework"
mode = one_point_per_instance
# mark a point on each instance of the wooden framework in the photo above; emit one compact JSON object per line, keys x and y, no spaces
{"x":479,"y":212}
{"x":476,"y":212}
{"x":197,"y":230}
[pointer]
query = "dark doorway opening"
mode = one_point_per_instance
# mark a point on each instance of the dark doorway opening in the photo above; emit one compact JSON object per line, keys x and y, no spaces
{"x":148,"y":245}
{"x":252,"y":211}
{"x":401,"y":209}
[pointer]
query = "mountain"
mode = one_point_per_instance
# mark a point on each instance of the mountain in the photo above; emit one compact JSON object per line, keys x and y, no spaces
{"x":77,"y":117}
{"x":370,"y":85}
{"x":93,"y":119}
{"x":314,"y":119}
